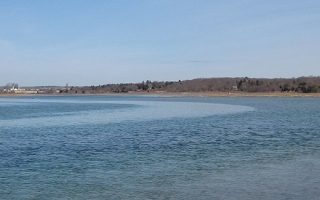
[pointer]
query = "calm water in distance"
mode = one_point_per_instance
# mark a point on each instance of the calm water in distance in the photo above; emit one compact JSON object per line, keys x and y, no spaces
{"x":159,"y":147}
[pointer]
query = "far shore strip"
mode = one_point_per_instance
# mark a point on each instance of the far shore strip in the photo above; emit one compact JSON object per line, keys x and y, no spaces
{"x":208,"y":94}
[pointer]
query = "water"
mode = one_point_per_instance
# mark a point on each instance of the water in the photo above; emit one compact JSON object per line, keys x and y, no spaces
{"x":159,"y":147}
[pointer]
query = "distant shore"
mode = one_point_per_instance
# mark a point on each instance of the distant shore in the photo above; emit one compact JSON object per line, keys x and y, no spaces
{"x":207,"y":94}
{"x":235,"y":94}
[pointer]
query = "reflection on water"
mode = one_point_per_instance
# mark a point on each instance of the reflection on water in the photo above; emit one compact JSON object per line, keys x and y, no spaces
{"x":50,"y":113}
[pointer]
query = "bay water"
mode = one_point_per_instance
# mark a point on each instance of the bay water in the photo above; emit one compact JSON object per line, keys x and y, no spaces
{"x":159,"y":147}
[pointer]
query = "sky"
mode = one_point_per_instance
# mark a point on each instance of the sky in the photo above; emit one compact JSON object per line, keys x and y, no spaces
{"x":83,"y":42}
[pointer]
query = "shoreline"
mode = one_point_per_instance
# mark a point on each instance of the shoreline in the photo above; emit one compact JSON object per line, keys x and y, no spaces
{"x":206,"y":94}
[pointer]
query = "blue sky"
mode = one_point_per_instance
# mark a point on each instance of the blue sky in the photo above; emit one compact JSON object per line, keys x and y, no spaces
{"x":84,"y":42}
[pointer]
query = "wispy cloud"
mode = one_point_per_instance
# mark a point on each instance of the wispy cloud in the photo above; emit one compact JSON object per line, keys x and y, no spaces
{"x":211,"y":61}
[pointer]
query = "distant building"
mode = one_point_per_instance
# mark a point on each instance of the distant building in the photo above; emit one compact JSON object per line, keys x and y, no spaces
{"x":234,"y":88}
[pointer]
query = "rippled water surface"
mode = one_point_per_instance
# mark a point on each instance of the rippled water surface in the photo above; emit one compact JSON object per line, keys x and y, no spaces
{"x":159,"y":147}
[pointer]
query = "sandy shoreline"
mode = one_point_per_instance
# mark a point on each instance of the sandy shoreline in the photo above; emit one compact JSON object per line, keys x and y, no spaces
{"x":258,"y":94}
{"x":207,"y":94}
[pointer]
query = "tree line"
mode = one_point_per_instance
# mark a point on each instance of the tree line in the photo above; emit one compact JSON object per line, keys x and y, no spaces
{"x":240,"y":84}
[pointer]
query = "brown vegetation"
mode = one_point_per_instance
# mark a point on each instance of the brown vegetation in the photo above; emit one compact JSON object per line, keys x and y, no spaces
{"x":244,"y":84}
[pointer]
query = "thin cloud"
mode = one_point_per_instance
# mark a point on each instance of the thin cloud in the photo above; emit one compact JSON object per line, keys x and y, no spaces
{"x":211,"y":61}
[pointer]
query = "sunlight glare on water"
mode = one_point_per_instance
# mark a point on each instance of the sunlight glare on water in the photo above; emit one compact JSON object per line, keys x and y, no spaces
{"x":126,"y":111}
